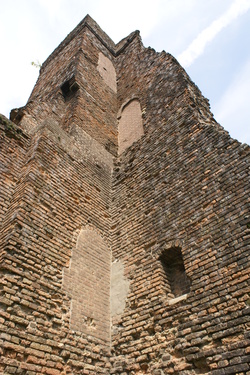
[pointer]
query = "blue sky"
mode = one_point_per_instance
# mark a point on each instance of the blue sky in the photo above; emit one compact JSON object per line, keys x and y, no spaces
{"x":210,"y":38}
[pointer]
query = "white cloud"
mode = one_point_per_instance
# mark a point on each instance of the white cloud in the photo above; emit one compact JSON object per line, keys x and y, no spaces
{"x":196,"y":48}
{"x":119,"y":18}
{"x":232,"y":110}
{"x":51,"y":7}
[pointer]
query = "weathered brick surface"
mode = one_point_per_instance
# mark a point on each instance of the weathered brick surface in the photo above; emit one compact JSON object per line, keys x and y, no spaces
{"x":183,"y":184}
{"x":55,"y":195}
{"x":68,"y":202}
{"x":12,"y":151}
{"x":86,"y":107}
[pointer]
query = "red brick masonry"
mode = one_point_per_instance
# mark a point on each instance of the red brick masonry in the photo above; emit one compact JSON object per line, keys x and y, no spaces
{"x":118,"y":188}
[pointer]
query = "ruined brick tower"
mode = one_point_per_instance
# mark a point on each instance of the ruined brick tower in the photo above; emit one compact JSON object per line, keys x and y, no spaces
{"x":124,"y":220}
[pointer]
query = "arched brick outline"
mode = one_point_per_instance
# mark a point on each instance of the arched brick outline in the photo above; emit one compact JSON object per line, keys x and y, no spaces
{"x":87,"y":283}
{"x":130,"y":127}
{"x":106,"y":69}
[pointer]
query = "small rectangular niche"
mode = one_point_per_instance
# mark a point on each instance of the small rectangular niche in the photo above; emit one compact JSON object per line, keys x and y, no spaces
{"x":69,"y":87}
{"x":178,"y":283}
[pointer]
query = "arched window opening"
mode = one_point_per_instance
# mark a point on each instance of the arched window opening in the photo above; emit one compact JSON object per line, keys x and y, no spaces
{"x":177,"y":282}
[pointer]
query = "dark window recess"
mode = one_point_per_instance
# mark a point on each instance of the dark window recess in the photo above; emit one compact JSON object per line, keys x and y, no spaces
{"x":69,"y":87}
{"x":175,"y":276}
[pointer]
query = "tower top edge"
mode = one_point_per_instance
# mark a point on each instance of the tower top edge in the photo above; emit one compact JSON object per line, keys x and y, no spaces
{"x":89,"y":23}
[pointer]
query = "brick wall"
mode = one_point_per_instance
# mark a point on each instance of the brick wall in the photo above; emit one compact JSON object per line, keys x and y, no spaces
{"x":182,"y":185}
{"x":90,"y":104}
{"x":12,"y":152}
{"x":130,"y":127}
{"x":55,"y":196}
{"x":87,"y":282}
{"x":172,"y":210}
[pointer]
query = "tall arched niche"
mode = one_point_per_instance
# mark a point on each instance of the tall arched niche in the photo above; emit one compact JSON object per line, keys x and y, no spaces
{"x":130,"y":127}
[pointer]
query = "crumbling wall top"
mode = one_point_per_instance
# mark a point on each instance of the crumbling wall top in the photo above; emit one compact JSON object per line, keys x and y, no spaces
{"x":89,"y":23}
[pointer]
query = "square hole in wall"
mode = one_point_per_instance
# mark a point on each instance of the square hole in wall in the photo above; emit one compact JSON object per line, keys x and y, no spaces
{"x":69,"y":87}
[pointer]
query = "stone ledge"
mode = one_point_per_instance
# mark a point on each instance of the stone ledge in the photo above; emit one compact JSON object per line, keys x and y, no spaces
{"x":177,"y":299}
